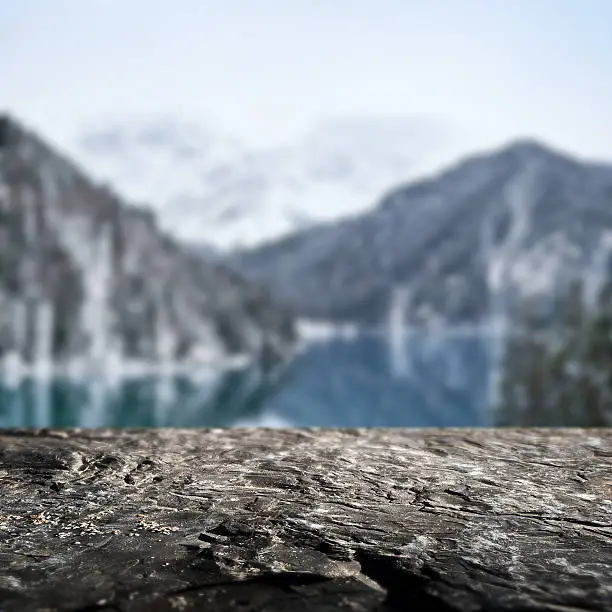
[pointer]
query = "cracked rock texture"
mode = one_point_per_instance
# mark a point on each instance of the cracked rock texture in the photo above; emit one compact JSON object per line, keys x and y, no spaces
{"x":308,"y":519}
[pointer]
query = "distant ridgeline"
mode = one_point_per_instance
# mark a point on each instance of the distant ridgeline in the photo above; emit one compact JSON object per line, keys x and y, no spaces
{"x":467,"y":245}
{"x":85,"y":278}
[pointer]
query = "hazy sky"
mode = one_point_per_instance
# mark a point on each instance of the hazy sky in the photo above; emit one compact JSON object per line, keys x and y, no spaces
{"x":266,"y":69}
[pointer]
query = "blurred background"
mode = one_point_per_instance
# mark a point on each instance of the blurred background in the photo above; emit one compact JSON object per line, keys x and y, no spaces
{"x":352,"y":214}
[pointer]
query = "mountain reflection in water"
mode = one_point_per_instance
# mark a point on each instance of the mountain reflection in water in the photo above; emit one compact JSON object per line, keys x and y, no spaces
{"x":216,"y":400}
{"x":424,"y":381}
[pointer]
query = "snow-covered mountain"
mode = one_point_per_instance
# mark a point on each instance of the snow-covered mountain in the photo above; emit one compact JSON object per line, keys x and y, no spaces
{"x":519,"y":222}
{"x":207,"y":187}
{"x":87,"y":278}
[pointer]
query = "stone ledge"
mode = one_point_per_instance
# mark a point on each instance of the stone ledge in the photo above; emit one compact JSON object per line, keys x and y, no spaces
{"x":305,"y":519}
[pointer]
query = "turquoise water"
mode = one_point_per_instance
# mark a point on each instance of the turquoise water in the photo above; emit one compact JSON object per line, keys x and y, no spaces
{"x":139,"y":402}
{"x":361,"y":382}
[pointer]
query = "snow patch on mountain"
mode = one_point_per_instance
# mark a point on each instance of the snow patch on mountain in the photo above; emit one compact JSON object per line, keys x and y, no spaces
{"x":207,"y":187}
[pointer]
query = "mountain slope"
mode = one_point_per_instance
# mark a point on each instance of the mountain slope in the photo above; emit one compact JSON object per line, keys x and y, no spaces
{"x":84,"y":277}
{"x":518,"y":222}
{"x":208,"y":188}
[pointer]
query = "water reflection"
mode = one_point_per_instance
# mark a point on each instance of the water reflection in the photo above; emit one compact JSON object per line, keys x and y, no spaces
{"x":427,"y":380}
{"x":215,"y":399}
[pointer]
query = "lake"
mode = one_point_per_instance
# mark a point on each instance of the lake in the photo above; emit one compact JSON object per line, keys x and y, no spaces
{"x":424,"y":380}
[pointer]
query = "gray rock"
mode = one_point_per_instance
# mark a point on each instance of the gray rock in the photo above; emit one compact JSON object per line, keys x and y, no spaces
{"x":256,"y":519}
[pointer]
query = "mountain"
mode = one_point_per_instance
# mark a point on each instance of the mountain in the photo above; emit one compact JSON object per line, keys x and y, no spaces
{"x":516,"y":223}
{"x":207,"y":187}
{"x":86,"y":277}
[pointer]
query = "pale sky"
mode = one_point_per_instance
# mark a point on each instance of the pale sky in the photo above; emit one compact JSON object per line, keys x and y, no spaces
{"x":264,"y":70}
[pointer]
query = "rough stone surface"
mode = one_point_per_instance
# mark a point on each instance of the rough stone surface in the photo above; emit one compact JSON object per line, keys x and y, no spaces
{"x":309,"y":519}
